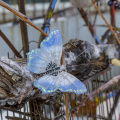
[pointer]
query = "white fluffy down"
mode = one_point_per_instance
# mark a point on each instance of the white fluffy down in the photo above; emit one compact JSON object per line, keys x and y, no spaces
{"x":71,"y":58}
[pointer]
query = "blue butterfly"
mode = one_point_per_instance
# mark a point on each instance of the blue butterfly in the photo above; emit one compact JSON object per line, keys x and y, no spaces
{"x":47,"y":60}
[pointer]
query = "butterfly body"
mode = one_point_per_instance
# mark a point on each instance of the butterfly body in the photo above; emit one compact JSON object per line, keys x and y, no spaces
{"x":47,"y":60}
{"x":52,"y":69}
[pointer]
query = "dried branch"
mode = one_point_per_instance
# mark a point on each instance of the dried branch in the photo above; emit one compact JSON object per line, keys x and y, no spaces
{"x":88,"y":23}
{"x":24,"y":30}
{"x":113,"y":81}
{"x":21,"y":16}
{"x":10,"y":44}
{"x":67,"y":105}
{"x":105,"y":21}
{"x":116,"y":101}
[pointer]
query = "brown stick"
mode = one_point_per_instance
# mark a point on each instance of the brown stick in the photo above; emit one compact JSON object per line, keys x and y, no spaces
{"x":23,"y":17}
{"x":10,"y":44}
{"x":105,"y":21}
{"x":24,"y":31}
{"x":99,"y":90}
{"x":67,"y":108}
{"x":88,"y":23}
{"x":39,"y":17}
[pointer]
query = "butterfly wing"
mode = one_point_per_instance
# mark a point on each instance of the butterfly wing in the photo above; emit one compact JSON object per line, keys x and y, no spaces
{"x":69,"y":83}
{"x":47,"y":84}
{"x":53,"y":39}
{"x":64,"y":81}
{"x":51,"y":51}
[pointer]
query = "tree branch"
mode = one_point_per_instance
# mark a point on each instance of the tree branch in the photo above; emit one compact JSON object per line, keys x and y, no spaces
{"x":113,"y":81}
{"x":21,"y":16}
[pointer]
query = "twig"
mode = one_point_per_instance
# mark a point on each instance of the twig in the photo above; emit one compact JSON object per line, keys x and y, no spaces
{"x":96,"y":14}
{"x":22,"y":16}
{"x":39,"y":17}
{"x":60,"y":116}
{"x":10,"y":44}
{"x":96,"y":92}
{"x":105,"y":21}
{"x":112,"y":13}
{"x":24,"y":30}
{"x":67,"y":108}
{"x":29,"y":43}
{"x":116,"y":101}
{"x":105,"y":35}
{"x":88,"y":23}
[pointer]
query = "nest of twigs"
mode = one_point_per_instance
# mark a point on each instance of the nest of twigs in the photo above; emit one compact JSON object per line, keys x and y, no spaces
{"x":80,"y":58}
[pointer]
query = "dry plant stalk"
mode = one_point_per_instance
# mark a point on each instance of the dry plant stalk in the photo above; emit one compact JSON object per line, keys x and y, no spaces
{"x":113,"y":81}
{"x":105,"y":21}
{"x":10,"y":44}
{"x":67,"y":105}
{"x":21,"y":16}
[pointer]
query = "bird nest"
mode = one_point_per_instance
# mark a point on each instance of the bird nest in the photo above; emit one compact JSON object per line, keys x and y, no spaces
{"x":80,"y":58}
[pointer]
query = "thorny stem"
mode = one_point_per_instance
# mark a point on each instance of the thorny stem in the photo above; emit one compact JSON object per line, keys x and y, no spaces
{"x":113,"y":81}
{"x":21,"y":16}
{"x":105,"y":21}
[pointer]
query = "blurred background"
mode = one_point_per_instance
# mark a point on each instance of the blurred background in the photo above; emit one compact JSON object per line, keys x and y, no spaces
{"x":66,"y":18}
